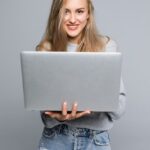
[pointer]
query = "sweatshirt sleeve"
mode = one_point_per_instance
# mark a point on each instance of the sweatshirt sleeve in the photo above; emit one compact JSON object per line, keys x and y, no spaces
{"x":122,"y":104}
{"x":112,"y":47}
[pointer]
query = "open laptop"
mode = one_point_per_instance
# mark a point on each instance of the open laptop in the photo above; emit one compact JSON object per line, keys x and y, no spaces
{"x":92,"y":79}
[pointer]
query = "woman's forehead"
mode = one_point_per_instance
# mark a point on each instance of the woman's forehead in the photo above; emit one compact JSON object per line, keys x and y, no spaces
{"x":75,"y":4}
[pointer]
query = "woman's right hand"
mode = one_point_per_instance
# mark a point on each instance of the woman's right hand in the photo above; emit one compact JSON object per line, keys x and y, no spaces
{"x":63,"y":115}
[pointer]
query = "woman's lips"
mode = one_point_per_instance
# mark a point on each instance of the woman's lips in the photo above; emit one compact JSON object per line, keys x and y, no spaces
{"x":72,"y":27}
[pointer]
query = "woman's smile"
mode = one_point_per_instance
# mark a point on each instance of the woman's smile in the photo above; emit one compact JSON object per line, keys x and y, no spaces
{"x":72,"y":27}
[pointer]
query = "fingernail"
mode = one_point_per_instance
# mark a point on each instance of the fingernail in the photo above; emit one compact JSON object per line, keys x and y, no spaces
{"x":65,"y":103}
{"x":46,"y":113}
{"x":88,"y":112}
{"x":75,"y":103}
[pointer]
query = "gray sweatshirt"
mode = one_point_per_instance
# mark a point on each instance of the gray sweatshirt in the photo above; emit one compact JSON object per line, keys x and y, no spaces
{"x":96,"y":120}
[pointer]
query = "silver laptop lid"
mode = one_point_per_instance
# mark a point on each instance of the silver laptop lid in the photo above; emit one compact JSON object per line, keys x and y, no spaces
{"x":90,"y":78}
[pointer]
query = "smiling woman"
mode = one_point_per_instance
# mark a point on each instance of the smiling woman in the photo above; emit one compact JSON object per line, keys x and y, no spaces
{"x":75,"y":19}
{"x":71,"y":27}
{"x":72,"y":20}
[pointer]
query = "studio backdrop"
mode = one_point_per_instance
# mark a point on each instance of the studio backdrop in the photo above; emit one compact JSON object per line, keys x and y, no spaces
{"x":22,"y":24}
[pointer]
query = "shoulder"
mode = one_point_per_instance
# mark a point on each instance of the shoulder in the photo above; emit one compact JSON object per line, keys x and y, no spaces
{"x":44,"y":46}
{"x":111,"y":46}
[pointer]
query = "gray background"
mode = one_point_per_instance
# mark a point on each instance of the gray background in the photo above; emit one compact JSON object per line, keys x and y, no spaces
{"x":22,"y":24}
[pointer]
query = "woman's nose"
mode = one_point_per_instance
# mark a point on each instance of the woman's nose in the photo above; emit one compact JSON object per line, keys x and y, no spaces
{"x":72,"y":18}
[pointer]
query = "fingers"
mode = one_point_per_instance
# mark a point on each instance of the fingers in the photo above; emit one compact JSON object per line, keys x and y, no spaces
{"x":64,"y":108}
{"x":74,"y":110}
{"x":75,"y":114}
{"x":51,"y":114}
{"x":64,"y":115}
{"x":56,"y":115}
{"x":48,"y":113}
{"x":84,"y":113}
{"x":61,"y":116}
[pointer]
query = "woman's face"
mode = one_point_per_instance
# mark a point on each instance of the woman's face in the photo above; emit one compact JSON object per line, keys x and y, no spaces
{"x":75,"y":18}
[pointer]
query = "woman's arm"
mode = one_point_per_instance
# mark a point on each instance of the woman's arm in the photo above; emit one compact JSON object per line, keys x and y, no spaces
{"x":122,"y":104}
{"x":112,"y":47}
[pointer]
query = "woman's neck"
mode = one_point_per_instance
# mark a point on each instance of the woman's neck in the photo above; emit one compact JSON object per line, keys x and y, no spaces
{"x":74,"y":40}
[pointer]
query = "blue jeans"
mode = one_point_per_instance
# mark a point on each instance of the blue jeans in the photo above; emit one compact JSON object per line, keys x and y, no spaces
{"x":63,"y":137}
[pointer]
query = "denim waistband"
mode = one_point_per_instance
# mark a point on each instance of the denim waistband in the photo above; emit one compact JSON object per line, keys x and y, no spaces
{"x":65,"y":129}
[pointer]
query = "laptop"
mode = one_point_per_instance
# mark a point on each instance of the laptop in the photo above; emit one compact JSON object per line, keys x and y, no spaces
{"x":92,"y":79}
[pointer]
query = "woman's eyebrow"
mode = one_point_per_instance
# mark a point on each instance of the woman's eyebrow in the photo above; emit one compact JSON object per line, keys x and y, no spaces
{"x":75,"y":9}
{"x":80,"y":8}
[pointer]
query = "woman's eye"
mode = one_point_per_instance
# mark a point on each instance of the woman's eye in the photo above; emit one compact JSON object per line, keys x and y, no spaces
{"x":80,"y":11}
{"x":66,"y":11}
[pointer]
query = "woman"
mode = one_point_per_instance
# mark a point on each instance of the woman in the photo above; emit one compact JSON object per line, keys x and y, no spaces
{"x":71,"y":27}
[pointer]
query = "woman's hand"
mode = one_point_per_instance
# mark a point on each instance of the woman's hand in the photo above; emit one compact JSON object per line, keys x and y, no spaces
{"x":64,"y":115}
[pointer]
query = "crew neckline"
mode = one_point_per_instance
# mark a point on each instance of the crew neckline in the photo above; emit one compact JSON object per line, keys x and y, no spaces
{"x":72,"y":44}
{"x":72,"y":47}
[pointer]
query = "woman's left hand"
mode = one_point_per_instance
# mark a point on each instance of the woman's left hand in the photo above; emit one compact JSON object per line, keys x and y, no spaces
{"x":64,"y":115}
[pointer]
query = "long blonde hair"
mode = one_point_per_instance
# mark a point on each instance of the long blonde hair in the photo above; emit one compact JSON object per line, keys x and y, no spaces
{"x":56,"y":38}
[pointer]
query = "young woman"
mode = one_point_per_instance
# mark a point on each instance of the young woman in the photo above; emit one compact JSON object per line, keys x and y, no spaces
{"x":71,"y":27}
